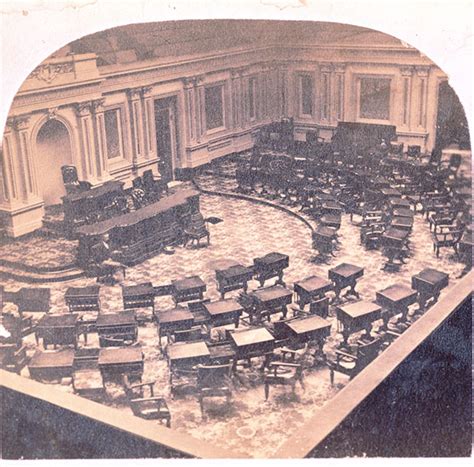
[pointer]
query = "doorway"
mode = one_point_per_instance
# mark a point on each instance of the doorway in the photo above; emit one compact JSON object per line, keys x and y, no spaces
{"x":53,"y":150}
{"x":166,"y":136}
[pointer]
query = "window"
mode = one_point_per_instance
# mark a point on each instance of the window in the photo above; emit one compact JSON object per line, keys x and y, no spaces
{"x":213,"y":106}
{"x":375,"y":98}
{"x":252,"y":93}
{"x":306,"y":95}
{"x":112,"y":133}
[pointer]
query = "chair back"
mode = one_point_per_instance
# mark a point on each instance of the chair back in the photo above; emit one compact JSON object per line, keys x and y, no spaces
{"x":213,"y":376}
{"x":455,"y":161}
{"x":320,"y":307}
{"x":366,"y":352}
{"x":137,"y":182}
{"x":413,"y":150}
{"x":188,"y":335}
{"x":69,"y":173}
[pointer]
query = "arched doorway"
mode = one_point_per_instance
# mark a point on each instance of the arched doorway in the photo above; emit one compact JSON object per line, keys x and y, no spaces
{"x":53,"y":150}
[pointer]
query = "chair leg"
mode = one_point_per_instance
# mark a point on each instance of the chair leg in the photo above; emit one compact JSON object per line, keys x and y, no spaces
{"x":331,"y":377}
{"x":267,"y":391}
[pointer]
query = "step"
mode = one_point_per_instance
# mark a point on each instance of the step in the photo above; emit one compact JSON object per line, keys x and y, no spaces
{"x":36,"y":277}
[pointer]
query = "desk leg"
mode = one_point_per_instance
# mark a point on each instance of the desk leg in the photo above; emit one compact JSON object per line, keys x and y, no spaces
{"x":352,"y":290}
{"x":423,"y":298}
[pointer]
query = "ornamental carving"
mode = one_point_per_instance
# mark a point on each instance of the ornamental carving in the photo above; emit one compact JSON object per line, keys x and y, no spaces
{"x":422,"y":70}
{"x":18,"y":123}
{"x":98,"y":105}
{"x":52,"y":113}
{"x":83,"y":108}
{"x":406,"y":70}
{"x":49,"y":71}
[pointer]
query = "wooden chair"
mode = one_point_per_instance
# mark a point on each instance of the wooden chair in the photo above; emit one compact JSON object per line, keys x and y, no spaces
{"x":154,"y":189}
{"x":71,"y":180}
{"x":13,"y":358}
{"x":448,"y":237}
{"x":320,"y":307}
{"x":199,"y":312}
{"x":352,"y":364}
{"x":283,"y":373}
{"x":196,"y":230}
{"x":214,"y":381}
{"x":150,"y":407}
{"x":413,"y":151}
{"x":194,"y":334}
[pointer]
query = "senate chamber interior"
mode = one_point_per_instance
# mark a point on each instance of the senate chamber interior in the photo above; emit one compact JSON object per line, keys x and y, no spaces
{"x":235,"y":239}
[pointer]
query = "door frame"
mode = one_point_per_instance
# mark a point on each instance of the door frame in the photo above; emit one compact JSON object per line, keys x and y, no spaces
{"x":175,"y":135}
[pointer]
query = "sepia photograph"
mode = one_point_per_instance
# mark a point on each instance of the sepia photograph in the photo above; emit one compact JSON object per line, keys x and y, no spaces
{"x":235,"y":236}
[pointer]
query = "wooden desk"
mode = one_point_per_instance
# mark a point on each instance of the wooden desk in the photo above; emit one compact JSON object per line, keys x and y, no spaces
{"x":310,"y":288}
{"x":357,"y":316}
{"x":224,"y":312}
{"x":331,"y":207}
{"x":272,"y":300}
{"x":394,"y":300}
{"x":190,"y":288}
{"x":269,"y":266}
{"x":117,"y":361}
{"x":345,"y":275}
{"x":88,"y":382}
{"x":331,"y":220}
{"x":403,"y":212}
{"x":60,"y":329}
{"x":32,"y":299}
{"x":397,"y":203}
{"x":402,"y":223}
{"x":121,"y":326}
{"x":233,"y":278}
{"x":83,"y":298}
{"x":312,"y":328}
{"x":257,"y":342}
{"x":86,"y":207}
{"x":138,"y":296}
{"x":174,"y":320}
{"x":187,"y":354}
{"x":390,"y":193}
{"x":51,"y":365}
{"x":429,"y":283}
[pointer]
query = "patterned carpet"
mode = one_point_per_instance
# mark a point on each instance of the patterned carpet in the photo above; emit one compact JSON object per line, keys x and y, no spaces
{"x":249,"y":426}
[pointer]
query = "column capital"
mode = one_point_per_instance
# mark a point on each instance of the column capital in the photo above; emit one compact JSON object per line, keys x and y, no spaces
{"x":83,"y":109}
{"x":326,"y":67}
{"x":97,"y":105}
{"x":422,"y":71}
{"x":18,"y":123}
{"x":339,"y":67}
{"x":406,"y":70}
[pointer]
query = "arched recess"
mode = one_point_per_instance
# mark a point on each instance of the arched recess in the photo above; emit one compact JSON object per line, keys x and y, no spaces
{"x":53,"y":149}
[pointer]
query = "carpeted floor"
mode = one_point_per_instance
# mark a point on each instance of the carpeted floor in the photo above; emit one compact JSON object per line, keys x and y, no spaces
{"x":249,"y":425}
